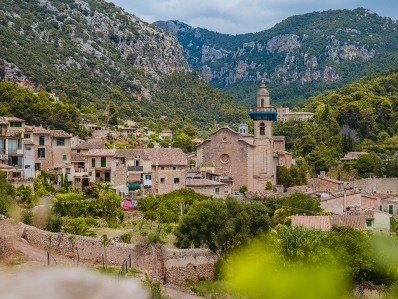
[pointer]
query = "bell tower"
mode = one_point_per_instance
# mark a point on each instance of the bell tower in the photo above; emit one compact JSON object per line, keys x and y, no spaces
{"x":263,"y":115}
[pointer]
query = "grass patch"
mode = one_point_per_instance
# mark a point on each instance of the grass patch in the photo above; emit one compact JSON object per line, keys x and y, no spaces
{"x":114,"y":271}
{"x":212,"y":289}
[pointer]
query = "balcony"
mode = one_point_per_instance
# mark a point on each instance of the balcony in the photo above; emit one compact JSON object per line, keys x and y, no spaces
{"x":135,"y":168}
{"x":262,"y":109}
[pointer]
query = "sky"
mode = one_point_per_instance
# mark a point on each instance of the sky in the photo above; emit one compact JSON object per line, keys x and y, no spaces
{"x":243,"y":16}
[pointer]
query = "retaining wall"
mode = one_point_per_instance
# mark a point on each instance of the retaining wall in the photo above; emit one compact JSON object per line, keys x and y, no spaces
{"x":173,"y":266}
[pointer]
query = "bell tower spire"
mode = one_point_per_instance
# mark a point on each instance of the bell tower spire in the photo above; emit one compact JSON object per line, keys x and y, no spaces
{"x":263,"y":153}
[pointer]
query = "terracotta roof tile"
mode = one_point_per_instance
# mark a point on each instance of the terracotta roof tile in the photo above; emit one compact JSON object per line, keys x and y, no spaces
{"x":59,"y":133}
{"x":356,"y":221}
{"x":317,"y":222}
{"x":91,"y":144}
{"x":167,"y":156}
{"x":100,"y":152}
{"x":202,"y":182}
{"x":326,"y":222}
{"x":131,"y":154}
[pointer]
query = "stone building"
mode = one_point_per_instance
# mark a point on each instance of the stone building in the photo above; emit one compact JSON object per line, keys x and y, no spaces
{"x":11,"y":145}
{"x":284,"y":115}
{"x":251,"y":159}
{"x":168,"y":168}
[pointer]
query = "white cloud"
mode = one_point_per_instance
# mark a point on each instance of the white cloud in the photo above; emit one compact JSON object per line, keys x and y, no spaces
{"x":243,"y":16}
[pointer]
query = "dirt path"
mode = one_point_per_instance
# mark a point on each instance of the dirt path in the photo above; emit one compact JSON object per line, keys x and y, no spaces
{"x":38,"y":256}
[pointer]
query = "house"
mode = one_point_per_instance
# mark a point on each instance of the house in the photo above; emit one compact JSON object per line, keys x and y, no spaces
{"x":208,"y":187}
{"x":168,"y":168}
{"x":87,"y":145}
{"x":166,"y":134}
{"x":138,"y":167}
{"x":323,"y":183}
{"x":103,"y":166}
{"x":284,"y":115}
{"x":129,"y":130}
{"x":353,"y":156}
{"x":250,"y":159}
{"x":61,"y":153}
{"x":80,"y":171}
{"x":11,"y":145}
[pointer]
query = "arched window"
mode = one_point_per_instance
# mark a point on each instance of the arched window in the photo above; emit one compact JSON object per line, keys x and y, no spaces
{"x":262,"y":129}
{"x":262,"y":103}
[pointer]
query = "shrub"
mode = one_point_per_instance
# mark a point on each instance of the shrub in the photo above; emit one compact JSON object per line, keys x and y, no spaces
{"x":154,"y":238}
{"x":27,"y":217}
{"x":54,"y":223}
{"x":126,"y":237}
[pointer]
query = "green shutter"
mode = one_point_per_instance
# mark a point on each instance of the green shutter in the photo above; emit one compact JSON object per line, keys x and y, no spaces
{"x":92,"y":162}
{"x":390,"y":209}
{"x":103,"y":161}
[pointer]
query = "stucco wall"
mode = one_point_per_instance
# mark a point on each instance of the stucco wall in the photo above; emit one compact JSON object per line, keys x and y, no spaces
{"x":162,"y":264}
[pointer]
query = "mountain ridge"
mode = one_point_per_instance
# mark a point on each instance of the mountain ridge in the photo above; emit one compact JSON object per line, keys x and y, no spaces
{"x":300,"y":55}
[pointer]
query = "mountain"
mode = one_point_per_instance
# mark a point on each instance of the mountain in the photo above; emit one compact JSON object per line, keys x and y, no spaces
{"x":94,"y":52}
{"x":298,"y":57}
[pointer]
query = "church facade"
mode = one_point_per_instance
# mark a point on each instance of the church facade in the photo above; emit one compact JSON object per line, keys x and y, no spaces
{"x":250,"y":159}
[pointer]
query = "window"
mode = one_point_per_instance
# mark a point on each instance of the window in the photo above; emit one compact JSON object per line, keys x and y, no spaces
{"x":28,"y":148}
{"x":92,"y":162}
{"x":68,"y":170}
{"x":103,"y":161}
{"x":162,"y":180}
{"x":176,"y":180}
{"x":15,"y":124}
{"x":90,"y":173}
{"x":41,"y":153}
{"x":390,"y":209}
{"x":162,"y":168}
{"x":148,"y":177}
{"x":262,"y":103}
{"x":107,"y":176}
{"x":16,"y":175}
{"x":61,"y":142}
{"x":41,"y":140}
{"x":97,"y":174}
{"x":26,"y":135}
{"x":262,"y":129}
{"x":368,"y":223}
{"x":381,"y":208}
{"x":37,"y":166}
{"x":217,"y":190}
{"x":64,"y":157}
{"x":19,"y":143}
{"x":174,"y":168}
{"x":27,"y":166}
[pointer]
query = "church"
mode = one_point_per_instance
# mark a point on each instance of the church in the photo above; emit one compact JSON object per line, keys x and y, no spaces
{"x":250,"y":159}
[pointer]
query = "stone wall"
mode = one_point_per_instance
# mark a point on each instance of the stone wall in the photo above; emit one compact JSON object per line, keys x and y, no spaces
{"x":7,"y":232}
{"x":162,"y":264}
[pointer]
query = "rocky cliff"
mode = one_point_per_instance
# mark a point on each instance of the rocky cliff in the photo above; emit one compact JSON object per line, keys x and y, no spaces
{"x":75,"y":41}
{"x":314,"y":51}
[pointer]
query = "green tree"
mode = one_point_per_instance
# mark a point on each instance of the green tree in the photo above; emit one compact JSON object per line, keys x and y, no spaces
{"x":184,"y":142}
{"x":220,"y":226}
{"x":26,"y":195}
{"x":7,"y":194}
{"x":243,"y":189}
{"x":268,"y":185}
{"x":367,"y":164}
{"x":81,"y":226}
